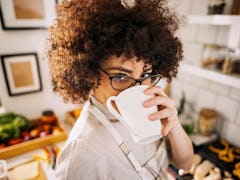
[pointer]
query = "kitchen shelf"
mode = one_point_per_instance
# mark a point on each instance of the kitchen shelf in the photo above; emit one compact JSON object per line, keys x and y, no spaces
{"x":227,"y":20}
{"x":229,"y":80}
{"x":233,"y":21}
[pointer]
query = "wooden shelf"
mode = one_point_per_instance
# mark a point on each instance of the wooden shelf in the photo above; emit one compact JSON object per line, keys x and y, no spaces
{"x":227,"y":20}
{"x":26,"y":146}
{"x":229,"y":80}
{"x":233,"y":21}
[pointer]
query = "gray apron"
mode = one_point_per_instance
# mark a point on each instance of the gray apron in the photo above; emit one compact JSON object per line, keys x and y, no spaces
{"x":155,"y":168}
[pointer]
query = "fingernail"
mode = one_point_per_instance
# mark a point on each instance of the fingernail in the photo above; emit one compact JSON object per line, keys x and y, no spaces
{"x":152,"y":117}
{"x":147,"y":103}
{"x":147,"y":92}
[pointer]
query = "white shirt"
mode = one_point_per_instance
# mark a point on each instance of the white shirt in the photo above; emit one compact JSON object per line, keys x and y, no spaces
{"x":92,"y":153}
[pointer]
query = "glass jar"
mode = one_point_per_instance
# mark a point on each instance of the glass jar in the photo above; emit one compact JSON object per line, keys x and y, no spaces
{"x":212,"y":54}
{"x":207,"y":121}
{"x":216,"y":7}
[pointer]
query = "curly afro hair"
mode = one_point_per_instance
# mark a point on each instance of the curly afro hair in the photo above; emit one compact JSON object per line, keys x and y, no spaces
{"x":87,"y":32}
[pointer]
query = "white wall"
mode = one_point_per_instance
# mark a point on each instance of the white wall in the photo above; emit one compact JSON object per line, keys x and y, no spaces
{"x":30,"y":105}
{"x":202,"y":92}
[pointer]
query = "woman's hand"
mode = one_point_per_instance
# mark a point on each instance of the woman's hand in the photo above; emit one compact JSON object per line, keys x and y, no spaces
{"x":181,"y":145}
{"x":167,"y":109}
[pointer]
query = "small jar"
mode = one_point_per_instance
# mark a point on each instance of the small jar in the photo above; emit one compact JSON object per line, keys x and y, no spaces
{"x":48,"y":117}
{"x":207,"y":121}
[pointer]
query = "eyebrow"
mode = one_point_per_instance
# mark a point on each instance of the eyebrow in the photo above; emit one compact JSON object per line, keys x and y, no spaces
{"x":126,"y":70}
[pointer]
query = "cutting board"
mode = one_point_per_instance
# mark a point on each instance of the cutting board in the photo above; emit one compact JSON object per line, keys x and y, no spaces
{"x":40,"y":176}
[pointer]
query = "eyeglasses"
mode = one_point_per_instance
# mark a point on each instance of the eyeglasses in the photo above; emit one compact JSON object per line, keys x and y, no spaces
{"x":121,"y":82}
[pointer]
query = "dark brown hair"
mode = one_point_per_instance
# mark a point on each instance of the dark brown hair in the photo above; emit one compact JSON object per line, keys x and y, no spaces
{"x":87,"y":32}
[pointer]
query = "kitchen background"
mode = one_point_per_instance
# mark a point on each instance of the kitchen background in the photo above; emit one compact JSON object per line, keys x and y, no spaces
{"x":27,"y":41}
{"x":201,"y":87}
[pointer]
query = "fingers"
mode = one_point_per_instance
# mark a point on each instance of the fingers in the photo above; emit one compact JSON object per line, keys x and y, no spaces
{"x":160,"y":100}
{"x":160,"y":97}
{"x":165,"y":113}
{"x":155,"y":90}
{"x":168,"y":114}
{"x":168,"y":109}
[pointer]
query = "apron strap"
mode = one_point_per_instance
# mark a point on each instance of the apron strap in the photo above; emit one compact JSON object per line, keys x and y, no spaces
{"x":143,"y":172}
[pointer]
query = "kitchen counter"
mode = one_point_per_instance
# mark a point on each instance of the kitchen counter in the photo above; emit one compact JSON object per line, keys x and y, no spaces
{"x":221,"y":155}
{"x":28,"y":156}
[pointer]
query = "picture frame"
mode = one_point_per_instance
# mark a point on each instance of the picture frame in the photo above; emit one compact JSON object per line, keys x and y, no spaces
{"x":236,"y":7}
{"x":22,"y":73}
{"x":59,"y":1}
{"x":27,"y":14}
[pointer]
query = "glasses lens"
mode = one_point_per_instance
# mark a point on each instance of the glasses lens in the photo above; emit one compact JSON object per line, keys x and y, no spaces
{"x":121,"y":83}
{"x":152,"y":80}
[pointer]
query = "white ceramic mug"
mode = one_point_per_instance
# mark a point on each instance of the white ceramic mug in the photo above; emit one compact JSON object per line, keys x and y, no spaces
{"x":134,"y":115}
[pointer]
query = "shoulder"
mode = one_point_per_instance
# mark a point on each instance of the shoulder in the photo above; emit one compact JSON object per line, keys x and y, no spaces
{"x":86,"y":152}
{"x":78,"y":160}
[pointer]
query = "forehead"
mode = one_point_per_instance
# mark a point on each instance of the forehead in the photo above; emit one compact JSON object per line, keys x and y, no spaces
{"x":123,"y":61}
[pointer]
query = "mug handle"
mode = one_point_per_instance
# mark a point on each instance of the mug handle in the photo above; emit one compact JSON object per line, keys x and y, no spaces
{"x":116,"y":114}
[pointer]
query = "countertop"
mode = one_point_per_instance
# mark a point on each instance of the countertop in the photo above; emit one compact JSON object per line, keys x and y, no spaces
{"x":28,"y":156}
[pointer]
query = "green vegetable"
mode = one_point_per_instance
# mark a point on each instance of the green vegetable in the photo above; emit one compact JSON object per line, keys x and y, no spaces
{"x":5,"y":131}
{"x":11,"y":125}
{"x":6,"y":118}
{"x":21,"y":122}
{"x":188,"y":128}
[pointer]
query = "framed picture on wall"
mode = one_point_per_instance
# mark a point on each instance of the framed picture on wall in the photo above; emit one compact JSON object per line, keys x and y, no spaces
{"x":21,"y":73}
{"x":27,"y":14}
{"x":236,"y":7}
{"x":59,"y":1}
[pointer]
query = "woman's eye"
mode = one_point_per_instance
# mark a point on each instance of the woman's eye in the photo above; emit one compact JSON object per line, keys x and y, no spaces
{"x":119,"y":78}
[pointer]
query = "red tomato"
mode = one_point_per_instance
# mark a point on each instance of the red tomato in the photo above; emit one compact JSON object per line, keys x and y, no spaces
{"x":2,"y":145}
{"x":26,"y":135}
{"x":14,"y":141}
{"x":47,"y":127}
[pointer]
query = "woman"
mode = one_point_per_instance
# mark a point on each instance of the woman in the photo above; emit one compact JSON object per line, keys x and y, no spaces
{"x":99,"y":48}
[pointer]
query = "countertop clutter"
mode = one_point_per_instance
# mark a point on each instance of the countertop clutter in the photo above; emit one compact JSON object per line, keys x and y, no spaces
{"x":28,"y":170}
{"x":214,"y":161}
{"x":222,"y":59}
{"x":40,"y":161}
{"x":19,"y":134}
{"x":29,"y":148}
{"x":215,"y":158}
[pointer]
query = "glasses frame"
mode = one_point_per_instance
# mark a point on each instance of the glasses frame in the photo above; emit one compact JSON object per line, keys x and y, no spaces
{"x":139,"y":80}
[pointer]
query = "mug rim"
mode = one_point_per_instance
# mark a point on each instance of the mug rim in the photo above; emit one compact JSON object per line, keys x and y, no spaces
{"x":130,"y":89}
